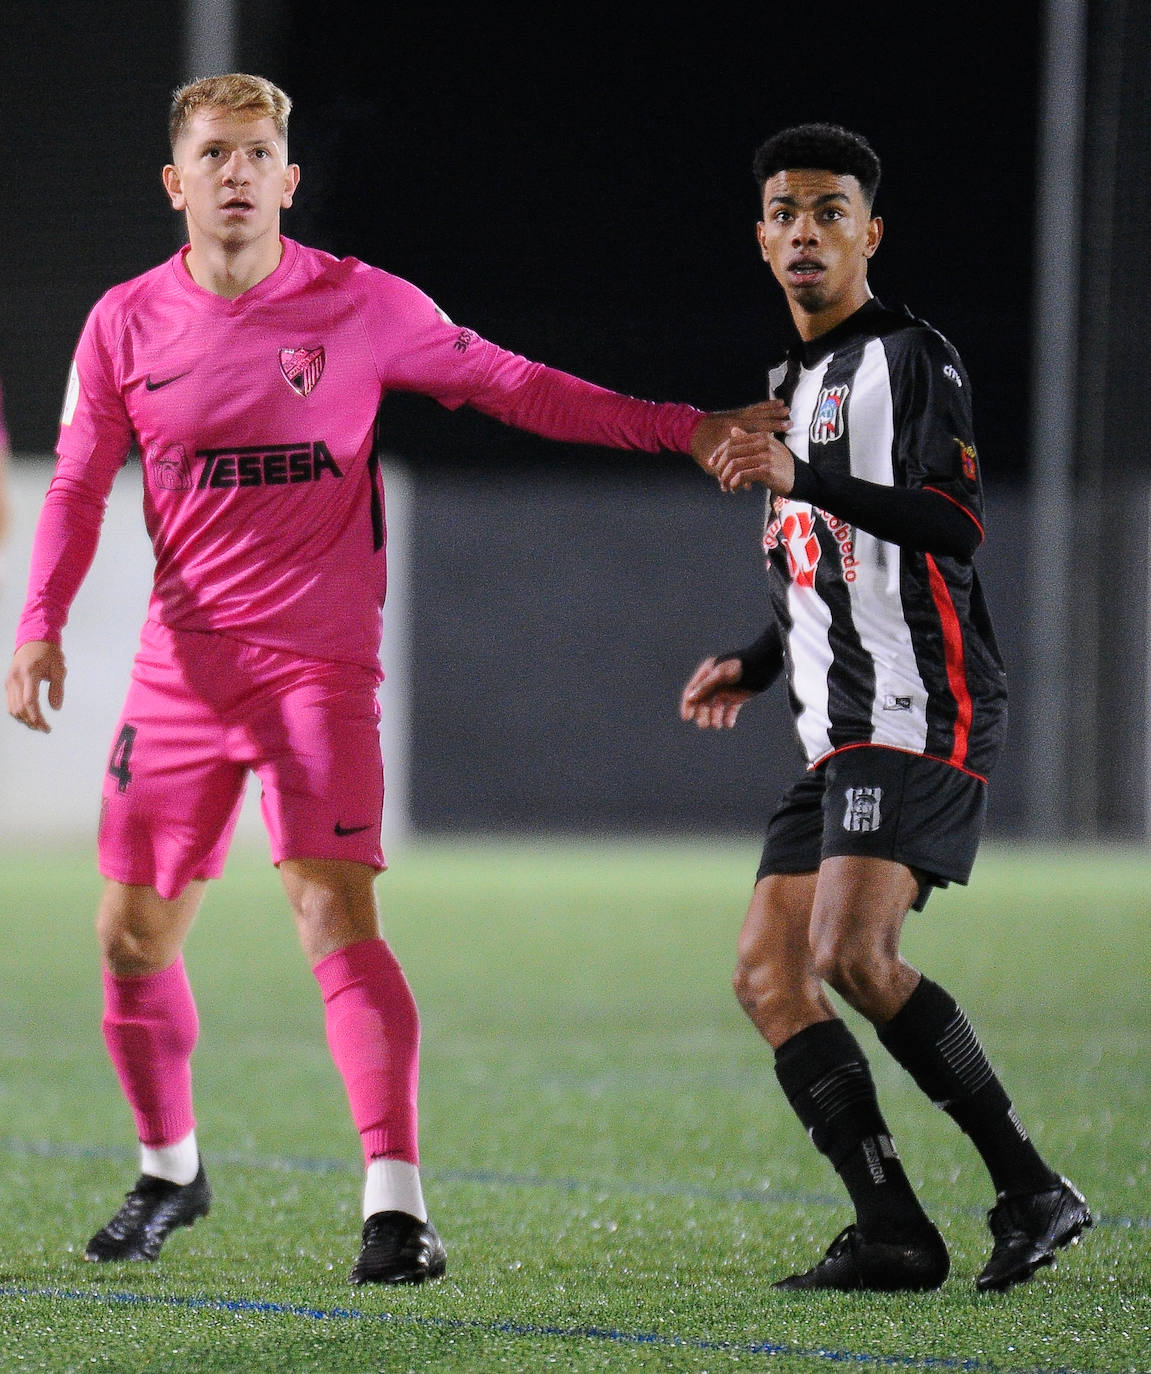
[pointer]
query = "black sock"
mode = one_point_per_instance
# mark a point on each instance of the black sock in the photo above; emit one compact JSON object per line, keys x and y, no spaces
{"x":933,"y":1040}
{"x":826,"y":1078}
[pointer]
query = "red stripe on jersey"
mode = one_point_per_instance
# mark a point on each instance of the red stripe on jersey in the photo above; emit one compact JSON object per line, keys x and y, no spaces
{"x":953,"y":657}
{"x":936,"y":492}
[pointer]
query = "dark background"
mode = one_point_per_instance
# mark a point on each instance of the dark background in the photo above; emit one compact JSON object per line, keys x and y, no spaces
{"x":577,"y":185}
{"x":574,"y":182}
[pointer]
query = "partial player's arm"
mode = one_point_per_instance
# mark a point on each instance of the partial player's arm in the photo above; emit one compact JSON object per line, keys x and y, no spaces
{"x":716,"y":427}
{"x":5,"y":505}
{"x":913,"y":517}
{"x":62,"y":551}
{"x":63,"y":547}
{"x":721,"y":685}
{"x":557,"y":405}
{"x":95,"y":437}
{"x":422,"y":351}
{"x":5,"y":455}
{"x":35,"y":662}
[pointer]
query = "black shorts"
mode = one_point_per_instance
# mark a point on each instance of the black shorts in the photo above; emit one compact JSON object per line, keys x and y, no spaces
{"x":881,"y":804}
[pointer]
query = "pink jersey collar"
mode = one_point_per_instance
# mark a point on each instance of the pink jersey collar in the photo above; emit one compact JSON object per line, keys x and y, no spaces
{"x":269,"y":286}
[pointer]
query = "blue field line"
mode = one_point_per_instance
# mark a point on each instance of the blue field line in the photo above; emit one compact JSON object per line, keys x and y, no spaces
{"x":770,"y":1197}
{"x":529,"y":1330}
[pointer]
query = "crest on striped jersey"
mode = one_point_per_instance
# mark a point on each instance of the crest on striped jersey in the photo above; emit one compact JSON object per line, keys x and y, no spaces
{"x":827,"y":424}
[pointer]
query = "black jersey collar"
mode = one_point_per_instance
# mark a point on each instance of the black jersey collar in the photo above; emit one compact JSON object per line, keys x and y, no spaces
{"x":809,"y":352}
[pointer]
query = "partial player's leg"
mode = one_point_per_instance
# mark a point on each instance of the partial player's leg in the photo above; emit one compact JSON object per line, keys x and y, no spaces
{"x":322,"y":775}
{"x":170,"y":802}
{"x":933,"y":816}
{"x":1037,"y":1212}
{"x":775,"y":981}
{"x":150,"y":1027}
{"x":824,"y":1073}
{"x":374,"y":1035}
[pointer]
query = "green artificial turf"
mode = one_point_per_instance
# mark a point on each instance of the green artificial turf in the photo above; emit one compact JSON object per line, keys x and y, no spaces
{"x":605,"y":1149}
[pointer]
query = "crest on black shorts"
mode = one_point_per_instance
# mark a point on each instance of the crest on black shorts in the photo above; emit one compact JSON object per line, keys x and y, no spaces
{"x":862,"y":808}
{"x":303,"y":367}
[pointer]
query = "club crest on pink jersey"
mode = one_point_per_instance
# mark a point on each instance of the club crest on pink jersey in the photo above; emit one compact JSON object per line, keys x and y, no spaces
{"x":827,"y":424}
{"x":302,"y":367}
{"x":170,"y":470}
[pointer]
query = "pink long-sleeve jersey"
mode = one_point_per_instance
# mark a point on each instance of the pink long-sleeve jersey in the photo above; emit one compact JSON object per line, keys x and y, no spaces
{"x":255,"y":420}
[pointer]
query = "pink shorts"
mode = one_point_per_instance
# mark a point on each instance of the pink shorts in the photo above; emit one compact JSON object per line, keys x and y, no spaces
{"x":201,"y":711}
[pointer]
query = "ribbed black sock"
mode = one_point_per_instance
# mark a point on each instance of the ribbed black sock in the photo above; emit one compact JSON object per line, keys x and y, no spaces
{"x":934,"y":1041}
{"x":825,"y":1075}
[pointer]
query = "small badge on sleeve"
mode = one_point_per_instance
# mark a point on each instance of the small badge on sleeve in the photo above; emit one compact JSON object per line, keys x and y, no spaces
{"x":968,"y":459}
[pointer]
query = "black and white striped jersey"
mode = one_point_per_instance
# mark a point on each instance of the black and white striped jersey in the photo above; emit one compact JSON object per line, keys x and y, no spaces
{"x":886,"y":634}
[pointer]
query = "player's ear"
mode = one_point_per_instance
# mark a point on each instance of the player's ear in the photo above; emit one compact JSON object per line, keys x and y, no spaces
{"x":874,"y":234}
{"x":174,"y":187}
{"x":291,"y":181}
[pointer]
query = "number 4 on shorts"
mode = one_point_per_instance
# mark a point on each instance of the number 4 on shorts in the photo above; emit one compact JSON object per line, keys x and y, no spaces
{"x":121,"y":756}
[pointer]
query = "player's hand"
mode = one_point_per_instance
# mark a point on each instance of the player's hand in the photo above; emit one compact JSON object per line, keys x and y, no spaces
{"x":749,"y":459}
{"x":715,"y":429}
{"x":35,"y":662}
{"x":712,"y":696}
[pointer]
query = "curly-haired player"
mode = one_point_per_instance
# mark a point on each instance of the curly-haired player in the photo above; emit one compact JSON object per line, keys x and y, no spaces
{"x":874,"y":514}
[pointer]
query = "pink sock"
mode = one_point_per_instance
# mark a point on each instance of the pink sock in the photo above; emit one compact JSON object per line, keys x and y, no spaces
{"x":150,"y":1028}
{"x":374,"y":1035}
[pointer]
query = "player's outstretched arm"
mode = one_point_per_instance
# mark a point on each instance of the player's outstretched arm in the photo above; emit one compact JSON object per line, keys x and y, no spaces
{"x":710,"y":444}
{"x":712,"y":696}
{"x":34,"y":662}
